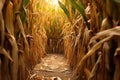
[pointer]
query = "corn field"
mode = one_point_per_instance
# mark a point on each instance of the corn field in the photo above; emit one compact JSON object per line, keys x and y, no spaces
{"x":86,"y":32}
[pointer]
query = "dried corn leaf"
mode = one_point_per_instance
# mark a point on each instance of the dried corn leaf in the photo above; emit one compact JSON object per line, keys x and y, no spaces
{"x":1,"y":29}
{"x":1,"y":22}
{"x":1,"y":4}
{"x":14,"y":65}
{"x":9,"y":18}
{"x":117,"y":64}
{"x":20,"y":25}
{"x":87,"y":72}
{"x":94,"y":70}
{"x":0,"y":69}
{"x":106,"y":53}
{"x":81,"y":64}
{"x":108,"y":32}
{"x":21,"y":71}
{"x":108,"y":35}
{"x":17,"y":5}
{"x":4,"y":52}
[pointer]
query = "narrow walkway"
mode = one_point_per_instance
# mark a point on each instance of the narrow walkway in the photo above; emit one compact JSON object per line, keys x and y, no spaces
{"x":52,"y":67}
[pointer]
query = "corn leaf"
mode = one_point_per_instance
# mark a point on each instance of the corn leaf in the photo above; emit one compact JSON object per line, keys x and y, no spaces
{"x":23,"y":14}
{"x":9,"y":18}
{"x":25,"y":2}
{"x":108,"y":7}
{"x":118,"y":1}
{"x":2,"y":29}
{"x":1,"y":4}
{"x":19,"y":22}
{"x":64,"y":9}
{"x":81,"y":9}
{"x":14,"y":66}
{"x":4,"y":52}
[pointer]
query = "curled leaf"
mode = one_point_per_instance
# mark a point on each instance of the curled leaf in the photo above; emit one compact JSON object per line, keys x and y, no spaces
{"x":4,"y":52}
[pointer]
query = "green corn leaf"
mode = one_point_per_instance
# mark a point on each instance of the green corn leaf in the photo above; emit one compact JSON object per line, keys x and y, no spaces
{"x":64,"y":9}
{"x":23,"y":14}
{"x":23,"y":11}
{"x":25,"y":2}
{"x":81,"y":9}
{"x":118,"y":1}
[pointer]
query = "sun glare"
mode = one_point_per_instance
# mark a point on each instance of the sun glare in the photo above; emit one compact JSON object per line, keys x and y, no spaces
{"x":53,"y":3}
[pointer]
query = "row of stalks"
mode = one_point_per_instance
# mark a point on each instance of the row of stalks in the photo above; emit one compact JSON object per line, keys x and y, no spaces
{"x":91,"y":39}
{"x":21,"y":39}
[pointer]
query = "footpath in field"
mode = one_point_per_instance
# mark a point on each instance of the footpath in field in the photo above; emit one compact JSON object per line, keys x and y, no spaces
{"x":52,"y":67}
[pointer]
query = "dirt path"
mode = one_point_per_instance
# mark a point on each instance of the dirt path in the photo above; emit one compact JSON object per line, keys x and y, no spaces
{"x":52,"y":67}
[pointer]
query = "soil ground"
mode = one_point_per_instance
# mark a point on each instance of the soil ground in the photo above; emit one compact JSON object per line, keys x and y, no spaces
{"x":52,"y":67}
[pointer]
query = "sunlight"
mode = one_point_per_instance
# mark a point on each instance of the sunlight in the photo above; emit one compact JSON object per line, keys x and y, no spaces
{"x":53,"y":3}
